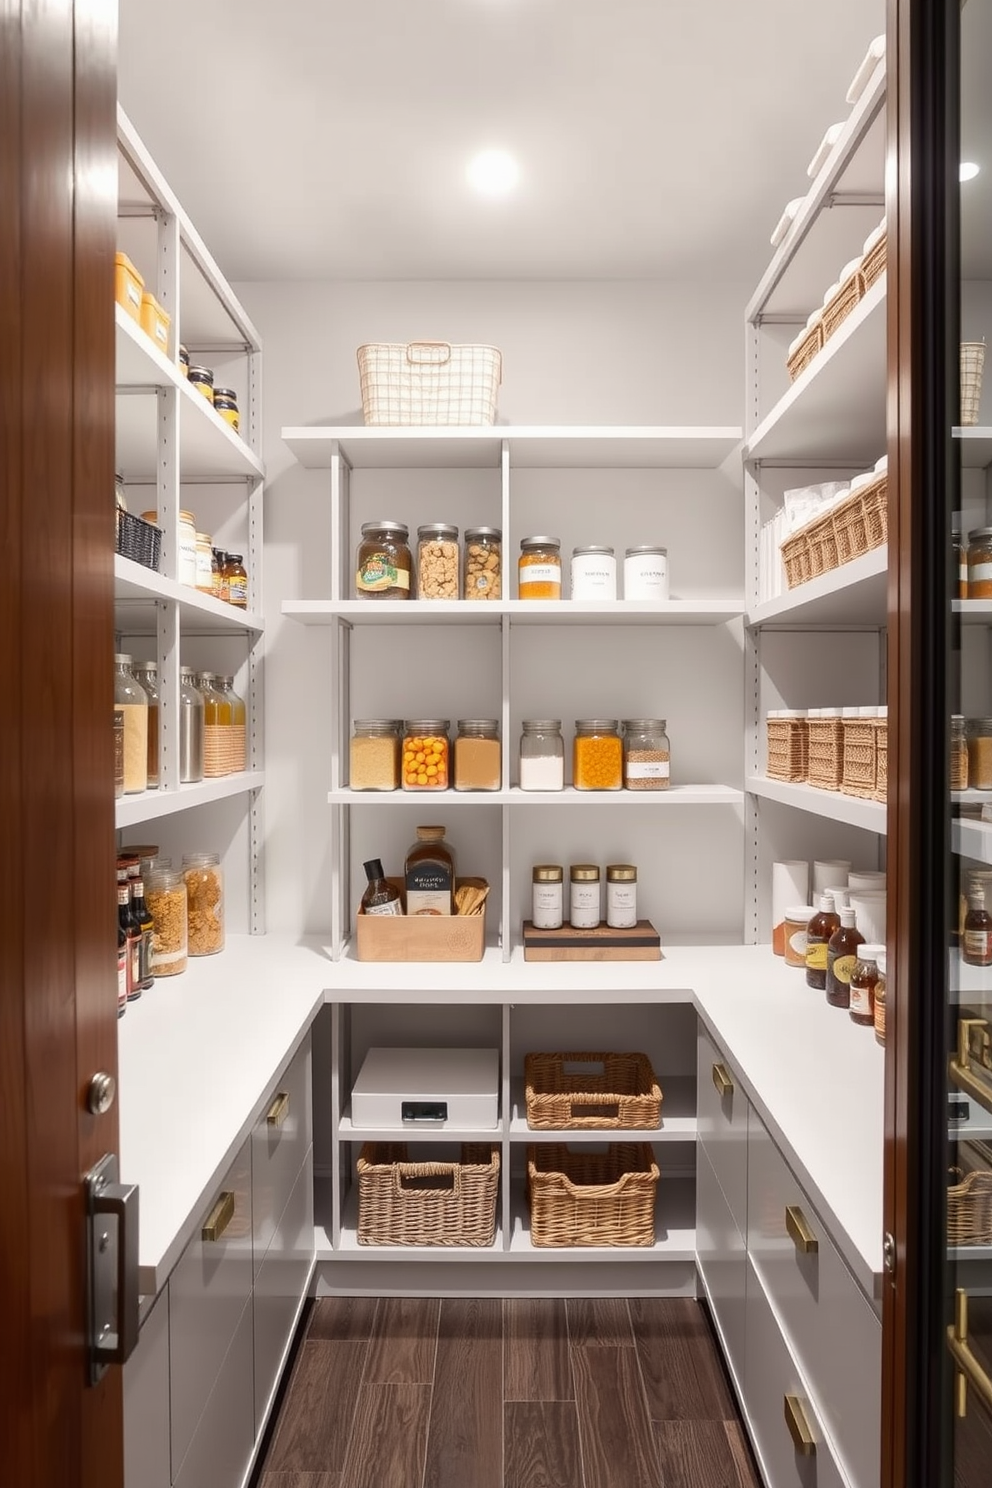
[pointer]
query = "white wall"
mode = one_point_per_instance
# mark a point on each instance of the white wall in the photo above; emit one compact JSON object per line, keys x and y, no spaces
{"x":618,"y":353}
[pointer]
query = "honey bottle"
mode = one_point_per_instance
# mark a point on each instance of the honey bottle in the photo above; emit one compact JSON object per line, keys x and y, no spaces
{"x":842,"y":955}
{"x":430,"y":874}
{"x":821,"y":928}
{"x":976,"y":942}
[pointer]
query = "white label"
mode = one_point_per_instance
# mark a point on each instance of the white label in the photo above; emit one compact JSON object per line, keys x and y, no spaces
{"x":976,"y":946}
{"x":621,"y":905}
{"x":797,"y":944}
{"x":134,"y":294}
{"x":187,"y":555}
{"x":428,"y":902}
{"x":645,"y":577}
{"x":540,"y":573}
{"x":594,"y":578}
{"x":980,"y":573}
{"x":861,"y":1000}
{"x":547,"y":906}
{"x":584,"y":913}
{"x":394,"y":907}
{"x":653,"y":770}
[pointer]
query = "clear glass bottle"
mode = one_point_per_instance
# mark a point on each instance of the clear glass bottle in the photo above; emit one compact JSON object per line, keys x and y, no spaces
{"x":547,"y":896}
{"x":239,"y":724}
{"x":584,"y":896}
{"x":483,"y":567}
{"x":478,"y":755}
{"x":191,"y":728}
{"x":542,"y":755}
{"x":597,"y":755}
{"x":374,"y":763}
{"x":539,"y":568}
{"x":621,"y":896}
{"x":204,"y":878}
{"x":131,"y":699}
{"x":646,"y":754}
{"x":426,"y":754}
{"x":437,"y":561}
{"x":165,"y":893}
{"x":216,"y":726}
{"x":146,"y":672}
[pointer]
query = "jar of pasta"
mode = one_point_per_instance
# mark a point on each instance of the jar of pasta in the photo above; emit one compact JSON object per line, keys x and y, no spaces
{"x":426,"y":754}
{"x":165,"y":896}
{"x":980,"y":563}
{"x":382,"y":568}
{"x":437,"y":561}
{"x":539,"y":569}
{"x":597,"y":755}
{"x":375,"y":755}
{"x":646,"y":754}
{"x":483,"y":563}
{"x":980,"y":753}
{"x":205,"y":903}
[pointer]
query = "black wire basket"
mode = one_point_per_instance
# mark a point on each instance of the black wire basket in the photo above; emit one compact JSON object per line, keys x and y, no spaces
{"x":138,"y":540}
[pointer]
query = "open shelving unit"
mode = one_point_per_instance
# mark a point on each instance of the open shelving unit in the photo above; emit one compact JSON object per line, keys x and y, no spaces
{"x":850,"y":810}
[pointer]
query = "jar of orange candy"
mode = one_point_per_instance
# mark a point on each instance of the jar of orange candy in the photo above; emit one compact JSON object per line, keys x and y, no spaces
{"x":426,"y":754}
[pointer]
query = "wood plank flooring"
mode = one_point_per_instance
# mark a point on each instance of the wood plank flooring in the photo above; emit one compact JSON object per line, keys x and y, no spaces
{"x":532,"y":1393}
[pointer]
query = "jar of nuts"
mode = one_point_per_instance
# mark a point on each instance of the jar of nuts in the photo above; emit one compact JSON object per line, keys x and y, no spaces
{"x":437,"y":561}
{"x":205,"y":895}
{"x":165,"y":895}
{"x":483,"y":563}
{"x":646,"y":754}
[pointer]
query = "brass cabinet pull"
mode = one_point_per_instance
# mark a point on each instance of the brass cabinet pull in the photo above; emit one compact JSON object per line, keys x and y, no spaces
{"x":219,"y":1218}
{"x":800,"y":1233}
{"x":799,"y":1428}
{"x":722,"y":1080}
{"x":279,"y":1109}
{"x":969,"y":1370}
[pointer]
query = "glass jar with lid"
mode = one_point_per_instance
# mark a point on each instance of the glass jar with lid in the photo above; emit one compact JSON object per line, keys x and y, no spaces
{"x":426,"y":753}
{"x":959,"y":754}
{"x":979,"y":732}
{"x":863,"y":980}
{"x":131,"y":699}
{"x":384,"y":563}
{"x":483,"y":566}
{"x":646,"y":754}
{"x":594,"y":573}
{"x":204,"y":879}
{"x":478,"y":755}
{"x":374,"y":762}
{"x":216,"y":726}
{"x":980,"y":563}
{"x":235,"y":580}
{"x":437,"y":561}
{"x":597,"y":755}
{"x":146,"y":673}
{"x":547,"y":906}
{"x":238,"y":737}
{"x":539,"y":568}
{"x":542,"y":755}
{"x":191,"y":725}
{"x":226,"y":404}
{"x":584,"y":911}
{"x":165,"y":896}
{"x":960,"y":565}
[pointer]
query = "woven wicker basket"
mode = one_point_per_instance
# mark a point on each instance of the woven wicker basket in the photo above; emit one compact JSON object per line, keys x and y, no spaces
{"x":837,"y":309}
{"x":972,"y":367}
{"x":860,"y":763}
{"x":822,"y":546}
{"x":873,"y":263}
{"x":969,"y":1200}
{"x":882,"y":760}
{"x":427,"y":1203}
{"x":589,"y":1198}
{"x":862,"y":521}
{"x":621,"y":1094}
{"x":796,"y":558}
{"x":788,"y":749}
{"x":137,"y":539}
{"x":429,"y":382}
{"x":807,"y":349}
{"x":826,"y":753}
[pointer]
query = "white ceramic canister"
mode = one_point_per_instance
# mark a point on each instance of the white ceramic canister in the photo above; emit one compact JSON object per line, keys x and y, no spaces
{"x":828,"y":871}
{"x":594,"y":573}
{"x":645,"y":573}
{"x":621,"y":896}
{"x":547,"y":907}
{"x":584,"y":904}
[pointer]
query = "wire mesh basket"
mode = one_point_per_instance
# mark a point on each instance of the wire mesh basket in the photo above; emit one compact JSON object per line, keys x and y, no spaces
{"x":138,"y":540}
{"x":972,"y":367}
{"x":429,"y":382}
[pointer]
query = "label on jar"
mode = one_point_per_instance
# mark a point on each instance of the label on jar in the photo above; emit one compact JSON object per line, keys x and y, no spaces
{"x":816,"y":955}
{"x":379,"y":572}
{"x":428,"y":891}
{"x":237,"y":590}
{"x":980,"y":573}
{"x":621,"y":905}
{"x":648,"y":770}
{"x":540,"y":573}
{"x":584,"y":913}
{"x":121,"y":979}
{"x":861,"y":998}
{"x":645,"y":577}
{"x":797,"y":945}
{"x":594,"y":579}
{"x":977,"y":946}
{"x":187,"y":556}
{"x":842,"y":968}
{"x":394,"y":907}
{"x":547,"y":906}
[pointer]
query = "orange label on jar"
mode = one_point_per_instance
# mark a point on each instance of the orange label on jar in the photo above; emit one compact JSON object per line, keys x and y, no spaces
{"x":861,"y":999}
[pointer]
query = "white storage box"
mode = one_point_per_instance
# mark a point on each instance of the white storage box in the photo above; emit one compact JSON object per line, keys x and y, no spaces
{"x":427,"y":1088}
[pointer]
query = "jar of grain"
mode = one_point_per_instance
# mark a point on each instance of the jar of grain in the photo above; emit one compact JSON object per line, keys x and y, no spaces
{"x":437,"y":561}
{"x":165,"y":895}
{"x":646,"y":754}
{"x":146,"y":672}
{"x":425,"y":754}
{"x":483,"y":563}
{"x":131,"y":699}
{"x":979,"y":731}
{"x":375,"y":755}
{"x":539,"y":570}
{"x":980,"y":563}
{"x":597,"y":755}
{"x":478,"y":755}
{"x":205,"y":898}
{"x":959,"y":754}
{"x":542,"y":755}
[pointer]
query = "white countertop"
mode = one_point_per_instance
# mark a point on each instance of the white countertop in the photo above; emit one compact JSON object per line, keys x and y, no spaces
{"x":198,"y":1055}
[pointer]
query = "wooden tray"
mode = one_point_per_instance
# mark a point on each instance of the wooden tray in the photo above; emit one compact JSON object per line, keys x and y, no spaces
{"x":420,"y":937}
{"x":641,"y":943}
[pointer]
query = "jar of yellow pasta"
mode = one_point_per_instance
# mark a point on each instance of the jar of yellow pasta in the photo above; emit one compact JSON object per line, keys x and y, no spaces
{"x":597,"y":755}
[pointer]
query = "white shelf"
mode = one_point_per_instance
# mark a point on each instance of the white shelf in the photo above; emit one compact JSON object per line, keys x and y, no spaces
{"x":973,"y":612}
{"x":560,"y":447}
{"x":138,"y":591}
{"x":852,"y":596}
{"x":674,"y":1230}
{"x":149,"y":805}
{"x":849,"y":809}
{"x":972,"y":839}
{"x":518,"y":612}
{"x":208,"y":447}
{"x":969,"y":983}
{"x":349,"y":1132}
{"x":676,"y":795}
{"x":976,"y":446}
{"x":834,"y":413}
{"x":678,"y":1118}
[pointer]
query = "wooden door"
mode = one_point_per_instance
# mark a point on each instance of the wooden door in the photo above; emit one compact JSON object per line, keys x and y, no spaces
{"x":57,"y":946}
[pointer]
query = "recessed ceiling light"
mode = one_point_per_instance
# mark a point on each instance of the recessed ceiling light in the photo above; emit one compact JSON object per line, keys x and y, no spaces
{"x":494,"y":172}
{"x":968,"y":170}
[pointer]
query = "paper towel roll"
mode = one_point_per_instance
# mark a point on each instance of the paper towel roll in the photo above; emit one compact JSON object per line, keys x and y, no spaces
{"x":869,"y":907}
{"x":790,"y":885}
{"x":827,"y":874}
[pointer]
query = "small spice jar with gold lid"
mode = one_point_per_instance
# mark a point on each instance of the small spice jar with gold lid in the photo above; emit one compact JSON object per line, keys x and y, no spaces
{"x":597,"y":755}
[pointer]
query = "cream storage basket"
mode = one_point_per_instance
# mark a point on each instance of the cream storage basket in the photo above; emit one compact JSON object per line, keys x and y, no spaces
{"x":429,"y":382}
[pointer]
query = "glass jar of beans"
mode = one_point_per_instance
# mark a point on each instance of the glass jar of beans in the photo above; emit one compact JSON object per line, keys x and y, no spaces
{"x":646,"y":754}
{"x":597,"y":755}
{"x":426,"y":754}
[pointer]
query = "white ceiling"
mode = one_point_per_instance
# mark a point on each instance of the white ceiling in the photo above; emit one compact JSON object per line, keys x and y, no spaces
{"x":329,"y":138}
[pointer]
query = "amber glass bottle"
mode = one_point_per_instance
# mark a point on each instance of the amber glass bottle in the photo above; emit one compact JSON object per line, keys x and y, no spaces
{"x":841,"y":957}
{"x":976,"y":943}
{"x":821,"y":927}
{"x":380,"y":898}
{"x":430,"y":874}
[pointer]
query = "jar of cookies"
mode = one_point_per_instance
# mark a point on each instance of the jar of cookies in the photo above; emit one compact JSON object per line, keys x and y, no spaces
{"x":437,"y":561}
{"x":205,"y":903}
{"x":483,"y":563}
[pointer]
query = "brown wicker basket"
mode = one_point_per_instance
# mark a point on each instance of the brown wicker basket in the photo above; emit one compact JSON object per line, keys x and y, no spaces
{"x":969,"y":1199}
{"x":836,"y":310}
{"x":427,"y":1203}
{"x":590,"y":1198}
{"x":622,"y":1094}
{"x":882,"y":759}
{"x":796,"y":557}
{"x":873,"y":263}
{"x":807,"y":349}
{"x":826,"y":753}
{"x":822,"y":546}
{"x":860,"y":765}
{"x":788,"y":749}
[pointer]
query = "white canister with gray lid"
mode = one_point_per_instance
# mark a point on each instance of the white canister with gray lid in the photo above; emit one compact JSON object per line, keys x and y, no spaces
{"x":645,"y":572}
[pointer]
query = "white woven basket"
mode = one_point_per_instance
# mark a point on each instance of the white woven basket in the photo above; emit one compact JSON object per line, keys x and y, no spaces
{"x":429,"y":382}
{"x":972,"y":366}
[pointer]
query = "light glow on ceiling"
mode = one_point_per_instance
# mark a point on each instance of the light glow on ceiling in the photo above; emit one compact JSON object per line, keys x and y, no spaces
{"x":968,"y":170}
{"x":494,"y":173}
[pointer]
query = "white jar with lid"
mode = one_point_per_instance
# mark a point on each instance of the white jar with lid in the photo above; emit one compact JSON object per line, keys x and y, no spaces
{"x":645,"y":572}
{"x":621,"y":896}
{"x":594,"y":573}
{"x":583,"y":911}
{"x":547,"y":907}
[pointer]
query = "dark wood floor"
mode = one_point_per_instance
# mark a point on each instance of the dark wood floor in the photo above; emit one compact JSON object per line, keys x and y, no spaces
{"x":414,"y":1393}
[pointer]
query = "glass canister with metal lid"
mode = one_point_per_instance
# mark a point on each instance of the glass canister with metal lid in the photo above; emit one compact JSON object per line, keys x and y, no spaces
{"x":646,"y":754}
{"x":384,"y":562}
{"x":426,"y":754}
{"x":597,"y":755}
{"x":437,"y":561}
{"x":539,"y":568}
{"x":483,"y":567}
{"x":980,"y":563}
